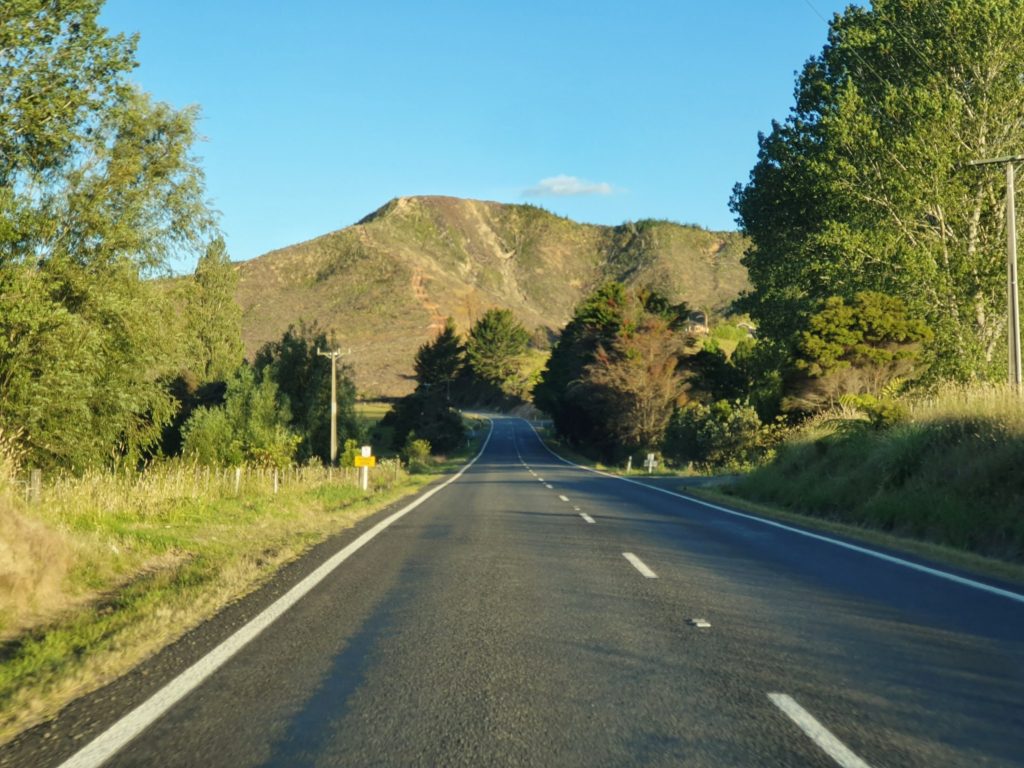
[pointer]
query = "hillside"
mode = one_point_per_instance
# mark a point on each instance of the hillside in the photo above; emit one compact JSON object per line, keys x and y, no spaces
{"x":386,"y":284}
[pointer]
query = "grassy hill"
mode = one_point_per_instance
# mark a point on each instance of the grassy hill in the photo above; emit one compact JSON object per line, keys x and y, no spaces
{"x":386,"y":284}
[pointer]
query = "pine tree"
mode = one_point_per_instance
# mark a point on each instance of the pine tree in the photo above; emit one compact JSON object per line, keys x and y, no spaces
{"x":439,"y":362}
{"x":494,"y":347}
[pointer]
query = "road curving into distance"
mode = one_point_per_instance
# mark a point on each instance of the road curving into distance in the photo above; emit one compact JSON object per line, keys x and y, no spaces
{"x":532,"y":613}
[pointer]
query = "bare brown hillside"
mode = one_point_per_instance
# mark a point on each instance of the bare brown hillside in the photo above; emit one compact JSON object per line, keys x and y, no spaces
{"x":386,"y":284}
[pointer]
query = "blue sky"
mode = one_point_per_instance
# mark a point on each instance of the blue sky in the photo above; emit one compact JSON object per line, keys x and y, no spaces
{"x":315,"y":113}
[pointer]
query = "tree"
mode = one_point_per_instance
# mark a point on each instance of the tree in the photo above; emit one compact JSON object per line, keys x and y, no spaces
{"x":97,"y":189}
{"x":214,"y":318}
{"x":250,"y":428}
{"x":439,"y":362}
{"x":613,"y":370}
{"x":494,"y":347}
{"x":639,"y":381}
{"x":865,"y":186}
{"x":303,"y":381}
{"x":856,"y":349}
{"x":595,"y":322}
{"x":425,"y":415}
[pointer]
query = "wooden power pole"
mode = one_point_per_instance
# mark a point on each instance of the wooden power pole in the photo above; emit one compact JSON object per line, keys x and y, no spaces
{"x":334,"y":355}
{"x":1013,"y":301}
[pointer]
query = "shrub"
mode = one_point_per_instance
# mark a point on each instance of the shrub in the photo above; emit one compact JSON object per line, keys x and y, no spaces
{"x":249,"y":427}
{"x":416,"y":453}
{"x":426,"y":414}
{"x":724,"y":435}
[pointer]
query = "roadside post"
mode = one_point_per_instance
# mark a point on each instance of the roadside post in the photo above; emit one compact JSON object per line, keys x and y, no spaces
{"x":650,"y":462}
{"x":364,"y":461}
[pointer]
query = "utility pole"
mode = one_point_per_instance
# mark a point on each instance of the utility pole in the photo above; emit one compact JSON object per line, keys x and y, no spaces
{"x":1013,"y":301}
{"x":334,"y":355}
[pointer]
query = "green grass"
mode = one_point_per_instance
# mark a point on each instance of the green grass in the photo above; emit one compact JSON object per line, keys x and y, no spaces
{"x":950,"y":475}
{"x":938,"y":553}
{"x":109,"y":569}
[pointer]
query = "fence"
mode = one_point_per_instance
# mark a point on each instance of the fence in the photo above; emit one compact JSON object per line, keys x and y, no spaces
{"x":180,"y":481}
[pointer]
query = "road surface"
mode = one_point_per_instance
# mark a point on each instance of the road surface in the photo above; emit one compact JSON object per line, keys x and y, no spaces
{"x":531,"y":613}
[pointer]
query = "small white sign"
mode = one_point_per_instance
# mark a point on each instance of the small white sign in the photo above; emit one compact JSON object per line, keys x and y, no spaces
{"x":367,"y":451}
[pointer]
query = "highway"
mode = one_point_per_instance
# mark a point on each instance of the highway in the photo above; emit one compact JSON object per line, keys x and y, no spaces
{"x":532,"y":613}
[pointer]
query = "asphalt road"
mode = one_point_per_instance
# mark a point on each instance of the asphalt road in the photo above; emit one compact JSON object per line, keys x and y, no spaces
{"x":495,"y":624}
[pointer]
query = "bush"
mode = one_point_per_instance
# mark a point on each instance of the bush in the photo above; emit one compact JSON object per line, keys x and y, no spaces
{"x":349,"y":452}
{"x":249,"y":427}
{"x":725,"y":435}
{"x":416,"y":453}
{"x":208,"y":438}
{"x":426,"y":414}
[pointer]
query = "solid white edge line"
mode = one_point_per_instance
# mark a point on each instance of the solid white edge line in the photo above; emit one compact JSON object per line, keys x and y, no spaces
{"x":108,"y":743}
{"x":587,"y":517}
{"x":819,"y":537}
{"x":817,"y":732}
{"x":637,"y":563}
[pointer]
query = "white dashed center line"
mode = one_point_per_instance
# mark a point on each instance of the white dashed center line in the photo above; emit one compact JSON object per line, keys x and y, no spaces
{"x":817,"y":732}
{"x":637,"y":563}
{"x":563,"y":498}
{"x":587,"y":517}
{"x":549,"y":486}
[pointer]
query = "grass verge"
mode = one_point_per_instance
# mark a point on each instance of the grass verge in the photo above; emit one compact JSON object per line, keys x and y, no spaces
{"x":936,"y":553}
{"x":949,"y":474}
{"x":144,"y":559}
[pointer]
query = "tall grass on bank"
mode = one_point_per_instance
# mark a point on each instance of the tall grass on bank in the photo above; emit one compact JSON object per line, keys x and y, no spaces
{"x":101,"y":571}
{"x":950,"y":474}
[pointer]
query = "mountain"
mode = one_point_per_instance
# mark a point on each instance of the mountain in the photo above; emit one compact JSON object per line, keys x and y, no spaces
{"x":386,"y":284}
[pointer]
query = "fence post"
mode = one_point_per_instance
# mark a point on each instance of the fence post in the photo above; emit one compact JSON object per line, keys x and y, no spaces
{"x":35,"y":485}
{"x":275,"y":479}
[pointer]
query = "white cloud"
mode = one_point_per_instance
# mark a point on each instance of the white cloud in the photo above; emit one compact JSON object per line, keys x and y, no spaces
{"x":567,"y":186}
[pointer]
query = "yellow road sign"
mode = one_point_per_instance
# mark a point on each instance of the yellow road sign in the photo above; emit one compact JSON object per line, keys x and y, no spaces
{"x":366,"y":461}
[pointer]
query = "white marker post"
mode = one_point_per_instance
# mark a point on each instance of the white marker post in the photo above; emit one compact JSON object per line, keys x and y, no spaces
{"x":650,"y":462}
{"x":364,"y":461}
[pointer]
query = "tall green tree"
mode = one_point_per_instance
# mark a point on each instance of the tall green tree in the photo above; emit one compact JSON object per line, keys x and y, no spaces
{"x":865,"y":186}
{"x":595,"y":322}
{"x":613,"y":377}
{"x":303,"y":383}
{"x":439,"y":362}
{"x":98,"y":188}
{"x":214,"y":317}
{"x":495,"y":345}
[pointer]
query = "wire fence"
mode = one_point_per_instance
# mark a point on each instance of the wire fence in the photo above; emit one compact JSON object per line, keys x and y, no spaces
{"x":177,"y":480}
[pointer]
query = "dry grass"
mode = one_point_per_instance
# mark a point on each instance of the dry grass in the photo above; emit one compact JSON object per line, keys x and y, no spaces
{"x":34,"y":557}
{"x":105,"y":570}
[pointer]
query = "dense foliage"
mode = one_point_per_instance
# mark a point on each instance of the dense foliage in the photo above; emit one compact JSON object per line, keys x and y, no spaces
{"x":856,"y":349}
{"x":303,"y":381}
{"x":866,"y":185}
{"x":613,"y":377}
{"x":496,"y":342}
{"x":250,"y":428}
{"x":439,"y":362}
{"x":97,"y":189}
